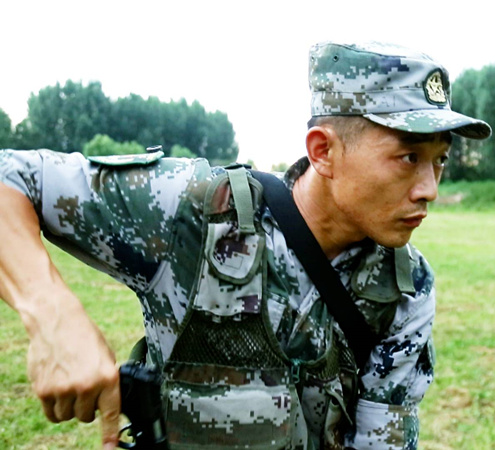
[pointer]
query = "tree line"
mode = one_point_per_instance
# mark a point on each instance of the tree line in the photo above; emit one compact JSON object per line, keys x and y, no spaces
{"x":74,"y":117}
{"x":473,"y":94}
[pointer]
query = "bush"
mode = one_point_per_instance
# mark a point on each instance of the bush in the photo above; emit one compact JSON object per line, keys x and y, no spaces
{"x":181,"y":152}
{"x":102,"y":145}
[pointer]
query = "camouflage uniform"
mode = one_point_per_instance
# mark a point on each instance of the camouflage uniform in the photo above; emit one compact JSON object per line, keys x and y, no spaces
{"x":141,"y":221}
{"x":251,"y":356}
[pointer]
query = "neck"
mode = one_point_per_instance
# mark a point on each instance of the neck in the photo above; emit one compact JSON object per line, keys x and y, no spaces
{"x":313,"y":197}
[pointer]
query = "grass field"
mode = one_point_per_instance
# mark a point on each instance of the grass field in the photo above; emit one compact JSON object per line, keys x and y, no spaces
{"x":459,"y":409}
{"x":457,"y":413}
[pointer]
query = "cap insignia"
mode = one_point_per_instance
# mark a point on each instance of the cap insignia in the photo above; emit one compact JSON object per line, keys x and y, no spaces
{"x":434,"y":88}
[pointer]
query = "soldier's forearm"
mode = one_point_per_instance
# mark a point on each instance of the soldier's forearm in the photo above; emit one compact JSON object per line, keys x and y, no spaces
{"x":24,"y":261}
{"x":28,"y":279}
{"x":29,"y":282}
{"x":71,"y":367}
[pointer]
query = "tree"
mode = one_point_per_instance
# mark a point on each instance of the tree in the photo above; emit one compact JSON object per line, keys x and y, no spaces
{"x":25,"y":138}
{"x":485,"y":110}
{"x":64,"y":118}
{"x":150,"y":122}
{"x":5,"y":130}
{"x":221,"y":146}
{"x":195,"y":136}
{"x":103,"y":145}
{"x":473,"y":94}
{"x":134,"y":119}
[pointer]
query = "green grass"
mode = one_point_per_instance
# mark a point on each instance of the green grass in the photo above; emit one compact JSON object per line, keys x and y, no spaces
{"x":459,"y":409}
{"x":466,"y":196}
{"x":22,"y":423}
{"x":457,"y":413}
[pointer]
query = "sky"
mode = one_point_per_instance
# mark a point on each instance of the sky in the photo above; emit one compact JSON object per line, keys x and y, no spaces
{"x":246,"y":59}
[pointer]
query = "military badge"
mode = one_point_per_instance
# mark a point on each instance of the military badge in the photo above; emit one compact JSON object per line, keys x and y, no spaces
{"x":434,"y":90}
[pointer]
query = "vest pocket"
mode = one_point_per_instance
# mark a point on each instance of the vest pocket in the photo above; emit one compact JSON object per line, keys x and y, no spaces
{"x":324,"y":409}
{"x":221,"y":407}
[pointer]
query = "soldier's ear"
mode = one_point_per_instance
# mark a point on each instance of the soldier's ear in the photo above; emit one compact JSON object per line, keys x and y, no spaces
{"x":321,"y":143}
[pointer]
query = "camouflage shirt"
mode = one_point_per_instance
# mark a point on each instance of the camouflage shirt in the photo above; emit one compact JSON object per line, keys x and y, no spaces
{"x":118,"y":215}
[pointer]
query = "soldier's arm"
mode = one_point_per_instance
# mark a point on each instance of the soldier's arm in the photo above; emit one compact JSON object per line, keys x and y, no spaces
{"x":118,"y":221}
{"x":399,"y":371}
{"x":69,"y":363}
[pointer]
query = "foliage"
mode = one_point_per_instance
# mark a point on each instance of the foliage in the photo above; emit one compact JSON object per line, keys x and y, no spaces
{"x":65,"y":118}
{"x":5,"y":130}
{"x":220,"y":146}
{"x":181,"y":152}
{"x":114,"y":307}
{"x":473,"y":94}
{"x":466,"y":196}
{"x":25,"y":137}
{"x":102,"y":145}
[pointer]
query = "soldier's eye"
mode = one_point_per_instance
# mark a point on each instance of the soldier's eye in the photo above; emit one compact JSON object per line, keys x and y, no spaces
{"x":442,"y":160}
{"x":411,"y":158}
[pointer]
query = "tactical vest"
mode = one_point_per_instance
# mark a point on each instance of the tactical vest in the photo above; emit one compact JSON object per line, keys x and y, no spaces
{"x":228,"y":384}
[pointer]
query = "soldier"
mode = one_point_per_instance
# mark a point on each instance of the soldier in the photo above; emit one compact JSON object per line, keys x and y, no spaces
{"x":250,"y":355}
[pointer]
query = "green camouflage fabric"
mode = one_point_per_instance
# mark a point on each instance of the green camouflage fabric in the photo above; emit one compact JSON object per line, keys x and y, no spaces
{"x":142,"y":222}
{"x":388,"y":84}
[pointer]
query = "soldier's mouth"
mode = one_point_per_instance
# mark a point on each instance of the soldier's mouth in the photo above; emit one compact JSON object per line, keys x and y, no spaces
{"x":413,"y":221}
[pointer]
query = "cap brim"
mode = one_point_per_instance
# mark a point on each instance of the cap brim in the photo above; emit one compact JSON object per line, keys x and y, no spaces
{"x":433,"y":121}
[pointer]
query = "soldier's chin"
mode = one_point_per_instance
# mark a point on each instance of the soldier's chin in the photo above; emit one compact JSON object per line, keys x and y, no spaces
{"x":394,"y":241}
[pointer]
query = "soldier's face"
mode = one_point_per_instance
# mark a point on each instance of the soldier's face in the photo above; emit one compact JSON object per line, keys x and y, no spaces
{"x":383,"y":184}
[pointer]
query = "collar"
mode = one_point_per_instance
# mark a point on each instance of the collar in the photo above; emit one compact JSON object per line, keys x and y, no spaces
{"x":295,"y":171}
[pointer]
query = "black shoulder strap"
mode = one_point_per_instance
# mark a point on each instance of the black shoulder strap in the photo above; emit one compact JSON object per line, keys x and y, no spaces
{"x":300,"y":238}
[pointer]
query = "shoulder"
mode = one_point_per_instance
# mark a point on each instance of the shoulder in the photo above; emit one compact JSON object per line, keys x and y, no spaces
{"x":150,"y":168}
{"x":384,"y":279}
{"x":421,"y":272}
{"x":383,"y":274}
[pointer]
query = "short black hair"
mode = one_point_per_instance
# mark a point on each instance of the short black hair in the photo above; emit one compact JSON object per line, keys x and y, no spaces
{"x":350,"y":127}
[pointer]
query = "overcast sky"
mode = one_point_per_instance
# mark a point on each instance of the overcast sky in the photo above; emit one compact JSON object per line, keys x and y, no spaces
{"x":247,"y":59}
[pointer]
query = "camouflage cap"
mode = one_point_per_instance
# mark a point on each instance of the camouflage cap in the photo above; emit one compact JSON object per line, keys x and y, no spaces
{"x":388,"y":84}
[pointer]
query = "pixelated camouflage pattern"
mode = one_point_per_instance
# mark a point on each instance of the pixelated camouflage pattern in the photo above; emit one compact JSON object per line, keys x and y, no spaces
{"x":204,"y":407}
{"x":230,"y":279}
{"x":400,"y":424}
{"x":143,"y":225}
{"x":203,"y":400}
{"x":388,"y":84}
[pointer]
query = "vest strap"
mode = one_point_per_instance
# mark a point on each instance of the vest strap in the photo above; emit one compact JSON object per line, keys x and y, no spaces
{"x":403,"y":273}
{"x":242,"y":199}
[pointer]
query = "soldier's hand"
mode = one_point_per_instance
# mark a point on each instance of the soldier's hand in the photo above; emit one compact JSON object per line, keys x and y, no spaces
{"x":69,"y":363}
{"x":73,"y":371}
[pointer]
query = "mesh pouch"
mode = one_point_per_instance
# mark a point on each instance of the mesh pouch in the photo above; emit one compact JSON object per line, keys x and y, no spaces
{"x":238,"y":341}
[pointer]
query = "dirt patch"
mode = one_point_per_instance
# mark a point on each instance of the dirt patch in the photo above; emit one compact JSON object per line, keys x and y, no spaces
{"x":455,"y":398}
{"x":52,"y":442}
{"x":430,"y":445}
